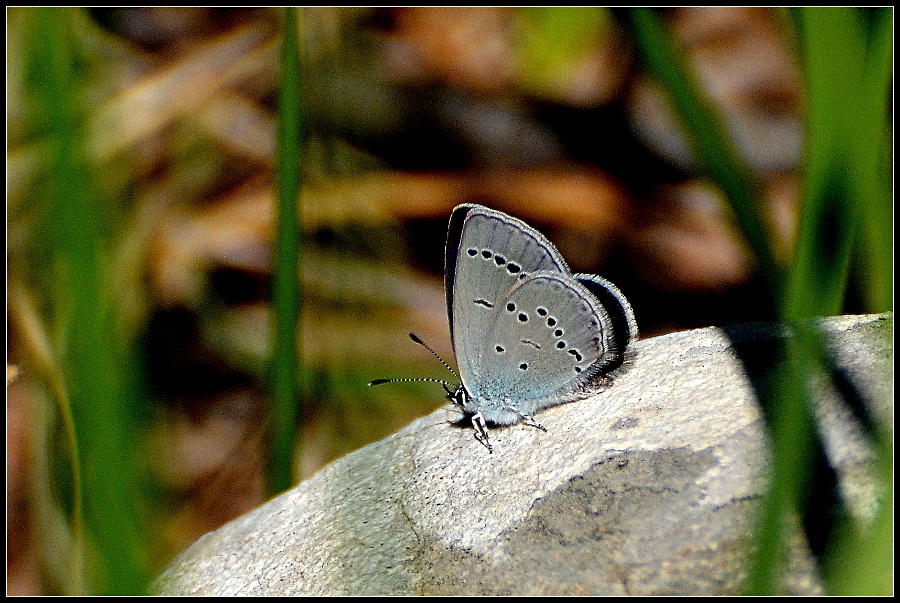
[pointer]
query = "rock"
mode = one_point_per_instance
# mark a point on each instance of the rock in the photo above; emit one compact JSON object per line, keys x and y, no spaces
{"x":648,"y":487}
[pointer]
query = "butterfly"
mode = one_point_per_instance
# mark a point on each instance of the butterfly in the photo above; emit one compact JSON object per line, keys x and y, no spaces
{"x":527,"y":333}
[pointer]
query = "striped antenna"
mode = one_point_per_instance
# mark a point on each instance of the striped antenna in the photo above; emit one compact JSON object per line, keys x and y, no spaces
{"x":448,"y":387}
{"x":383,"y":381}
{"x":415,"y":338}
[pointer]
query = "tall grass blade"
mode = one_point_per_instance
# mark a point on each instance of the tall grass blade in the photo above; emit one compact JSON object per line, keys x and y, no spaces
{"x":286,"y":296}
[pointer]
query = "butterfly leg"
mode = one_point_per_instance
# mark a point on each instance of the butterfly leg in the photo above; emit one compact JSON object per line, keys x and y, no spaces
{"x":481,"y":431}
{"x":529,"y":420}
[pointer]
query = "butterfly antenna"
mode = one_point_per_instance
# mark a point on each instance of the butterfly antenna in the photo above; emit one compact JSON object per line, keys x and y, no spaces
{"x":448,"y":387}
{"x":383,"y":381}
{"x":415,"y":338}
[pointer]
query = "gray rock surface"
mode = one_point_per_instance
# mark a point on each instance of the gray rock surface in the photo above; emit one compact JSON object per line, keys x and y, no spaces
{"x":648,"y":487}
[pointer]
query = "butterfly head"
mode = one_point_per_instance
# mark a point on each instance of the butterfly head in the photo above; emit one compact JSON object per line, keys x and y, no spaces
{"x":459,"y":396}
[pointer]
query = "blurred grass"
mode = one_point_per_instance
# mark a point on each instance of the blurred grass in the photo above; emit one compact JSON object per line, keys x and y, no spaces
{"x":847,"y":92}
{"x":95,"y":362}
{"x":848,"y":70}
{"x":845,"y":180}
{"x":715,"y":153}
{"x":286,"y":297}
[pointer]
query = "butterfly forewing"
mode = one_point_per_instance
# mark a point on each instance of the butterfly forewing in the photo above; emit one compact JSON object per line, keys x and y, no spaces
{"x":488,"y":254}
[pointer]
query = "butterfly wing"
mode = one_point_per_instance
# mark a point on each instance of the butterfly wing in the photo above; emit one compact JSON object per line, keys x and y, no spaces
{"x":487,"y":254}
{"x":551,"y":338}
{"x":624,"y":325}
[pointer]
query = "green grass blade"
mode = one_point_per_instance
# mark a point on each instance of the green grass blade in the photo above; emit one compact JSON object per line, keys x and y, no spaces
{"x":93,"y":357}
{"x":844,"y":181}
{"x":845,"y":125}
{"x":849,"y":75}
{"x":286,"y":297}
{"x":870,"y":168}
{"x":712,"y":148}
{"x":843,"y":141}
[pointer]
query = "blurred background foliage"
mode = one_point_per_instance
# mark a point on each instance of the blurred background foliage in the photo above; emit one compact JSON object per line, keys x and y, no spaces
{"x":141,"y":187}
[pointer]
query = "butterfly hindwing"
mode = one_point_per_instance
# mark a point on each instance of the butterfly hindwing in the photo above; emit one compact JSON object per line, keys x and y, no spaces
{"x":549,"y":339}
{"x":624,"y":325}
